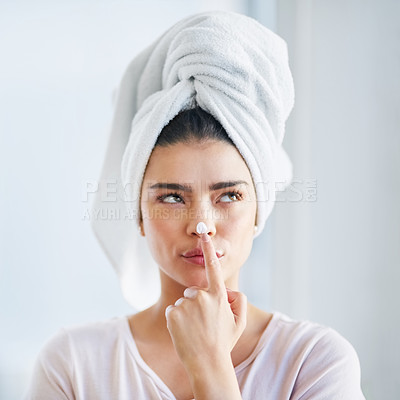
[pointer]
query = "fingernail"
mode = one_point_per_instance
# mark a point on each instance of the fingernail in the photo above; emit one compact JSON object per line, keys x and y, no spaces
{"x":190,"y":293}
{"x":179,"y":301}
{"x":167,"y":310}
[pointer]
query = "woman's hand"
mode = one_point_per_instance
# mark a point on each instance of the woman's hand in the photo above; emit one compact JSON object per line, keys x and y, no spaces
{"x":205,"y":325}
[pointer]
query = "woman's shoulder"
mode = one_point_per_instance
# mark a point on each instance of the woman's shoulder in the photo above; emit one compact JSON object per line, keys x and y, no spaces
{"x":317,"y":357}
{"x":82,"y":337}
{"x":301,"y":359}
{"x":297,"y":339}
{"x":78,"y":358}
{"x":308,"y":336}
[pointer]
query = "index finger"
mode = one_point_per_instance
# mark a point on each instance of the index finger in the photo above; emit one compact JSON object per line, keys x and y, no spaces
{"x":213,"y":266}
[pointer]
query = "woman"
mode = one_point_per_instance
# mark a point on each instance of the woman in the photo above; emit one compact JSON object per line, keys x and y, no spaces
{"x":208,"y":101}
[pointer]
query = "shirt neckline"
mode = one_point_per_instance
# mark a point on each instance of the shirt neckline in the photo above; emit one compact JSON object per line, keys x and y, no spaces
{"x":261,"y":342}
{"x":131,"y":343}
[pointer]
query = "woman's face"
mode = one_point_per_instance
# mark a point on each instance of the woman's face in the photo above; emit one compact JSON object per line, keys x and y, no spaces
{"x":188,"y":183}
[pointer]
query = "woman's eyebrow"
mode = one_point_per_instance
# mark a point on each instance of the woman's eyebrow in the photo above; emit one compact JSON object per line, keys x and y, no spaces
{"x":222,"y":185}
{"x":187,"y":188}
{"x":171,"y":186}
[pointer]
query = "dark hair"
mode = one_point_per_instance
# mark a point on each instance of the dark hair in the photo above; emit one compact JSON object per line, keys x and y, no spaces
{"x":191,"y":125}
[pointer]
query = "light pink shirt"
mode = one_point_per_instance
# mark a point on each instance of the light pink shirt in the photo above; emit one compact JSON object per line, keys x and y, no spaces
{"x":295,"y":360}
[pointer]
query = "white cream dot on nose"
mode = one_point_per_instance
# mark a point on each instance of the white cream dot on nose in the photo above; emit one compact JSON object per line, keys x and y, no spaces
{"x":201,"y":228}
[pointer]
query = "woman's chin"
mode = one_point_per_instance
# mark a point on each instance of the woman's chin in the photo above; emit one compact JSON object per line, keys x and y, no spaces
{"x":198,"y":280}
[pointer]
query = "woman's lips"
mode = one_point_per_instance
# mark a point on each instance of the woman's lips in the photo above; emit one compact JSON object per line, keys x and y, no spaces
{"x":195,"y":256}
{"x":198,"y":260}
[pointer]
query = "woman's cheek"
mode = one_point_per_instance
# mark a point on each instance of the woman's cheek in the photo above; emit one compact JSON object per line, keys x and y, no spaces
{"x":162,"y":220}
{"x":240,"y":219}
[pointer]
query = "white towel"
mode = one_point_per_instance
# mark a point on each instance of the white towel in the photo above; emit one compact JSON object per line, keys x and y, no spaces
{"x":235,"y":69}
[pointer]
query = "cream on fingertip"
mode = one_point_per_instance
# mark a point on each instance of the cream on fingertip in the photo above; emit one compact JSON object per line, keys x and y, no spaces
{"x":201,"y":228}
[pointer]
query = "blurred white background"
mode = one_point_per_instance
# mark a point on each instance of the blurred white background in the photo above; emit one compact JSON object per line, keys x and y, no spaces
{"x":334,"y":260}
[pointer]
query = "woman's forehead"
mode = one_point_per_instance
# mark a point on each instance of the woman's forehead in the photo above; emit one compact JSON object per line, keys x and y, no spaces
{"x":210,"y":161}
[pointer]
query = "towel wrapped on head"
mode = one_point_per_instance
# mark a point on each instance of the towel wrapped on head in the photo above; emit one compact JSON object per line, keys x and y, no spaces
{"x":232,"y":67}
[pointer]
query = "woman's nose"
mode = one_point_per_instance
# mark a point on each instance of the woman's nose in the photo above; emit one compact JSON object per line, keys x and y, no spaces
{"x":203,"y":213}
{"x":192,"y":228}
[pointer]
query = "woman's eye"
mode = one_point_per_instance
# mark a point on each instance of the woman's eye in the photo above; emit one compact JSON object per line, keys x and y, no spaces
{"x":171,"y":199}
{"x":230,"y":197}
